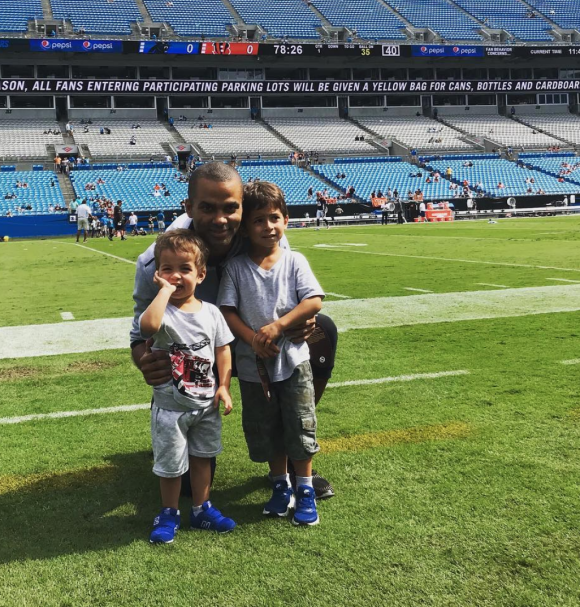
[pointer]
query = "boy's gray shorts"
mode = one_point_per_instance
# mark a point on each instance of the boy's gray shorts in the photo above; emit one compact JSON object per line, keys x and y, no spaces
{"x":178,"y":434}
{"x":287,"y":423}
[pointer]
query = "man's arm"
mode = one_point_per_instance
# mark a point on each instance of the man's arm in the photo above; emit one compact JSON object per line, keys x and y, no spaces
{"x":155,"y":366}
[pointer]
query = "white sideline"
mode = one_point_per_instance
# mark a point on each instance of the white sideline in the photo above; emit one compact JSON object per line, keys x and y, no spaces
{"x":76,"y":244}
{"x":384,"y":380}
{"x":67,"y":316}
{"x":417,"y":290}
{"x":572,"y":361}
{"x":473,"y":261}
{"x":490,"y":284}
{"x":338,"y":295}
{"x":128,"y":408}
{"x":382,"y":312}
{"x":563,"y":280}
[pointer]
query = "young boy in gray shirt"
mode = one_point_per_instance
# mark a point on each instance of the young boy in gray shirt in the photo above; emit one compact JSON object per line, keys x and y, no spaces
{"x":185,"y":419}
{"x":279,"y":292}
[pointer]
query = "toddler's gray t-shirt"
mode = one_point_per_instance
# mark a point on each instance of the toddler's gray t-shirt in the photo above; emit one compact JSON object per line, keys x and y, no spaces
{"x":191,"y":339}
{"x":263,"y":296}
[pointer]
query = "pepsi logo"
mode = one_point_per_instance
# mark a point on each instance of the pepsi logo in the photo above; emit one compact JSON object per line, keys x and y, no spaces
{"x":423,"y":49}
{"x":456,"y":49}
{"x":45,"y":44}
{"x":86,"y":44}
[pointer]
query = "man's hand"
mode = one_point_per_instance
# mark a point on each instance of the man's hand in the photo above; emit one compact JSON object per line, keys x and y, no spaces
{"x":302,"y":332}
{"x":155,"y":366}
{"x":223,"y":395}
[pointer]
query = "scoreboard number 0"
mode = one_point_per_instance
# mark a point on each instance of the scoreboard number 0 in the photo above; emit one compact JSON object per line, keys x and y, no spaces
{"x":391,"y":50}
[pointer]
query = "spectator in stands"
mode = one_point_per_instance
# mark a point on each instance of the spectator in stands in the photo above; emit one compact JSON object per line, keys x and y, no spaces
{"x":500,"y":185}
{"x":379,"y":193}
{"x":310,"y":193}
{"x":513,"y":110}
{"x":395,"y":194}
{"x":448,"y":172}
{"x":57,"y":161}
{"x":133,"y":140}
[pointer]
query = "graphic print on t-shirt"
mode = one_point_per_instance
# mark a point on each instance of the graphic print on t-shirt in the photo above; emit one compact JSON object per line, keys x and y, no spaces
{"x":190,"y":372}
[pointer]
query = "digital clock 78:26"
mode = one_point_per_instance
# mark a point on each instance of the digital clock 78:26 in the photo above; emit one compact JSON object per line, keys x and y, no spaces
{"x":288,"y":49}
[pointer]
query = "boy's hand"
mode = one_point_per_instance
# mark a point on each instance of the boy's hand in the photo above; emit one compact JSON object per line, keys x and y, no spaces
{"x":263,"y":341}
{"x":162,"y":283}
{"x":222,"y":394}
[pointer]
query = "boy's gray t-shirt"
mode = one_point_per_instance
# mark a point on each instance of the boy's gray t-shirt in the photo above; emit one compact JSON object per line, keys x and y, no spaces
{"x":263,"y":296}
{"x":191,"y":339}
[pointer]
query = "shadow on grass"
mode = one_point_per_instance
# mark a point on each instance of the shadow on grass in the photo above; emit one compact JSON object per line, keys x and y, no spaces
{"x":97,"y":508}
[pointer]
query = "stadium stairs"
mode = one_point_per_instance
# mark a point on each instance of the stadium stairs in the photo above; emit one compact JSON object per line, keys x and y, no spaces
{"x":522,"y":120}
{"x":66,"y":188}
{"x":278,"y":135}
{"x":234,"y":13}
{"x":465,"y":135}
{"x":325,"y":22}
{"x":47,"y":10}
{"x":375,"y":136}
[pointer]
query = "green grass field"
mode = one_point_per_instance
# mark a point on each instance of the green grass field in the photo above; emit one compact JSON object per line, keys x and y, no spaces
{"x":453,"y":490}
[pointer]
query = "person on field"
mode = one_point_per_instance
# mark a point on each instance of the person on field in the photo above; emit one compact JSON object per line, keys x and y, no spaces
{"x":185,"y":418}
{"x":280,"y":292}
{"x":119,"y":220}
{"x":83,"y":216}
{"x":214,"y":213}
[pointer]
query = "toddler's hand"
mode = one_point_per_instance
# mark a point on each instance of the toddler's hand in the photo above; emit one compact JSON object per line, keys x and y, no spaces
{"x":222,"y":394}
{"x":162,"y":283}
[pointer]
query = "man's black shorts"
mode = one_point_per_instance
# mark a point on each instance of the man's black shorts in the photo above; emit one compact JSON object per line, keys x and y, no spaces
{"x":322,"y":344}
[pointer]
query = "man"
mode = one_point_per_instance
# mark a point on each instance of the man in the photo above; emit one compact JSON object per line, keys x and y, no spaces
{"x":119,"y":220}
{"x":133,"y":221}
{"x":214,"y":212}
{"x":83,"y":215}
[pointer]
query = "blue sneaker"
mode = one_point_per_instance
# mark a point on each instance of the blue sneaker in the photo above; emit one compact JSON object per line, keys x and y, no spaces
{"x":165,"y":526}
{"x":211,"y":519}
{"x":281,"y":501}
{"x":305,"y":513}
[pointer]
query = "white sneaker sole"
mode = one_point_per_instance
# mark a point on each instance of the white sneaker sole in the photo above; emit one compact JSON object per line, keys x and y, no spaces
{"x":291,"y":505}
{"x":297,"y":524}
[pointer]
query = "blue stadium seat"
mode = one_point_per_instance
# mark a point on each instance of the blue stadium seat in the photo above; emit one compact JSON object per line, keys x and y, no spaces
{"x":14,"y":16}
{"x":39,"y":194}
{"x":98,"y":16}
{"x":209,"y":18}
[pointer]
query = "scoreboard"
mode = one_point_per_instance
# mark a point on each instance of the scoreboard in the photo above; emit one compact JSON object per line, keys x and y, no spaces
{"x":283,"y":50}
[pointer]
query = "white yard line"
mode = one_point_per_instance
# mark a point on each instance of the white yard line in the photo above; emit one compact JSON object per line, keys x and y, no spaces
{"x":474,"y":261}
{"x":573,"y":361}
{"x":379,"y":312}
{"x":76,"y":244}
{"x":490,"y":284}
{"x":129,"y":408}
{"x":60,"y":414}
{"x":338,"y":295}
{"x":563,"y":280}
{"x":418,"y":290}
{"x":384,"y":380}
{"x":67,"y":316}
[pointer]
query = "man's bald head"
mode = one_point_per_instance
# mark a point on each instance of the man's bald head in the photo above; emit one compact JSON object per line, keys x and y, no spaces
{"x":217,"y":172}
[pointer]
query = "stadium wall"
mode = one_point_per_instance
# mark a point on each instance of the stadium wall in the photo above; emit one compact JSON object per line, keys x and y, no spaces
{"x":37,"y":226}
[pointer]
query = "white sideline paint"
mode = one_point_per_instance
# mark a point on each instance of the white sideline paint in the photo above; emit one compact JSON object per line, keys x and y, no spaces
{"x":67,"y":316}
{"x":61,"y":414}
{"x":573,"y":361}
{"x":380,"y":312}
{"x":418,"y":290}
{"x":335,"y":248}
{"x":490,"y":284}
{"x":338,"y":245}
{"x":384,"y":380}
{"x":76,"y":244}
{"x":563,"y":280}
{"x":338,"y":295}
{"x":129,"y":408}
